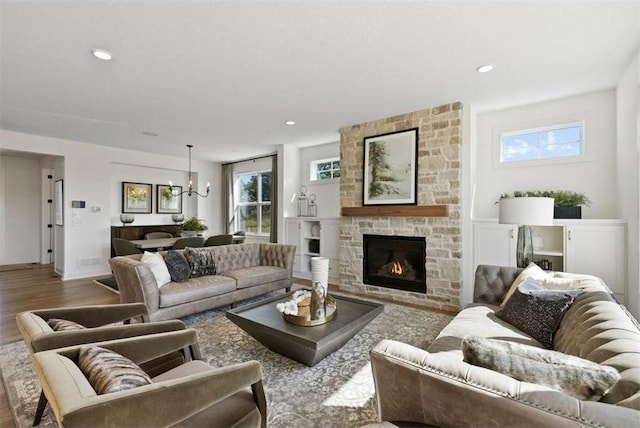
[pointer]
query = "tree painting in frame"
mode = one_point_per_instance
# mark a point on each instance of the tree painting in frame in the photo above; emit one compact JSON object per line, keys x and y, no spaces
{"x":168,"y":201}
{"x":390,"y":168}
{"x":137,"y":198}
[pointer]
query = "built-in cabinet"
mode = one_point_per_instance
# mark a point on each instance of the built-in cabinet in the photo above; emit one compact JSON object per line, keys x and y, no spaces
{"x":314,"y":237}
{"x":593,"y":247}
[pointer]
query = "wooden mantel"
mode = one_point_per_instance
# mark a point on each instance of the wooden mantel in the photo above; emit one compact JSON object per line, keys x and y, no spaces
{"x":397,"y":211}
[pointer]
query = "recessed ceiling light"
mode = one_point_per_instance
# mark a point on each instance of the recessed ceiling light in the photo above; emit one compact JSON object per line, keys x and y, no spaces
{"x":484,"y":68}
{"x":290,"y":122}
{"x":102,"y":54}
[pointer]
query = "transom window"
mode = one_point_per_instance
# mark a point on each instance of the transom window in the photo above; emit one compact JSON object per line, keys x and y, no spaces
{"x":542,"y":143}
{"x":325,"y":169}
{"x":253,"y":209}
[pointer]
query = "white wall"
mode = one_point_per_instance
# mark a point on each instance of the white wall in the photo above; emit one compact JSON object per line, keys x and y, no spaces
{"x":328,"y":191}
{"x":88,"y":176}
{"x":21,"y":194}
{"x":594,"y":176}
{"x":628,"y":152}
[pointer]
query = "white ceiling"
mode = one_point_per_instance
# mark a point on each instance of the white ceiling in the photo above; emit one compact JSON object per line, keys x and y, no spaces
{"x":225,"y":76}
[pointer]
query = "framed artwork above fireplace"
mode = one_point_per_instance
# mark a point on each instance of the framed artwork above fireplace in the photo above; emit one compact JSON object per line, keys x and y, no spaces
{"x":391,"y":168}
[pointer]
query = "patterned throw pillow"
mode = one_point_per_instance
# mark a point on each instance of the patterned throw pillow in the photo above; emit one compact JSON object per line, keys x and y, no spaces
{"x":58,"y":324}
{"x":108,"y":371}
{"x":201,"y":261}
{"x":177,"y":265}
{"x":537,"y":311}
{"x":580,"y":378}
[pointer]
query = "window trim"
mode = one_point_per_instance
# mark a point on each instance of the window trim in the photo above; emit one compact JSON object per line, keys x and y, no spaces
{"x":540,"y":126}
{"x":312,"y":170}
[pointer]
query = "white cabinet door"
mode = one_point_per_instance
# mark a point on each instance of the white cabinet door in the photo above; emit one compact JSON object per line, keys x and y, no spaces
{"x":598,"y":250}
{"x":292,"y":236}
{"x":330,"y":246}
{"x":494,"y":244}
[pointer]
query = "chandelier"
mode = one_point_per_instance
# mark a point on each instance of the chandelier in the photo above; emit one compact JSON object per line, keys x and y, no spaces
{"x":189,"y":190}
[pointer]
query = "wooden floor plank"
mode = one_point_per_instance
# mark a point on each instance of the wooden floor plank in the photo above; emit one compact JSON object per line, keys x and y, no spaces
{"x":39,"y":287}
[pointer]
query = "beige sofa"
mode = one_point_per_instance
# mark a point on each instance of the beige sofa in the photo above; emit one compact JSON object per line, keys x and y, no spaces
{"x":437,"y":387}
{"x":242,"y":271}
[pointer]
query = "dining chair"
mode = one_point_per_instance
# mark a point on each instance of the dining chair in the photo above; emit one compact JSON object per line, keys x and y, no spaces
{"x":239,"y":237}
{"x":191,"y":241}
{"x":218,"y":240}
{"x":124,"y":247}
{"x":157,"y":235}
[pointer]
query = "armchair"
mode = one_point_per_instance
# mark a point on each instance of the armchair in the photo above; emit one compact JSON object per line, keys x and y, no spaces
{"x":100,"y":322}
{"x":192,"y":394}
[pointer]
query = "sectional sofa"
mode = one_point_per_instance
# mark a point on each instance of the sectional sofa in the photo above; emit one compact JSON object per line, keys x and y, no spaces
{"x":241,"y":271}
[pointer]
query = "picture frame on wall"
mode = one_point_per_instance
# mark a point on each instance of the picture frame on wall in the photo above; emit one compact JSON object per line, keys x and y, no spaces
{"x":137,"y":198}
{"x":168,"y":199}
{"x":58,"y":199}
{"x":391,"y":168}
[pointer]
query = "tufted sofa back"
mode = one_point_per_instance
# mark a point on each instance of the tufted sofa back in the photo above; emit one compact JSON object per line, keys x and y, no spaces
{"x":493,"y":282}
{"x":599,"y":329}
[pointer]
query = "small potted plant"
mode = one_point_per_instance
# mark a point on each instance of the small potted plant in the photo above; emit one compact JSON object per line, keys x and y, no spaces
{"x":568,"y":204}
{"x":192,"y":226}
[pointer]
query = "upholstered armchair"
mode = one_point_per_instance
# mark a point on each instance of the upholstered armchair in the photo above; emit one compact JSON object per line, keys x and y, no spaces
{"x":192,"y":394}
{"x":102,"y":322}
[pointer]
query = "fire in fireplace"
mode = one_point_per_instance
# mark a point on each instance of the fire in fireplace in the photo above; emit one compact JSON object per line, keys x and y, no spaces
{"x":395,"y":262}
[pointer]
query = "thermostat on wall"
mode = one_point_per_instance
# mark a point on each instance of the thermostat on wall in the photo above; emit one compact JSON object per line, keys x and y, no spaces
{"x":78,"y":204}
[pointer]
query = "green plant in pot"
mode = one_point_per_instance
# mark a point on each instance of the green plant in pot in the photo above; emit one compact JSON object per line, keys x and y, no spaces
{"x":567,"y":203}
{"x":192,"y":226}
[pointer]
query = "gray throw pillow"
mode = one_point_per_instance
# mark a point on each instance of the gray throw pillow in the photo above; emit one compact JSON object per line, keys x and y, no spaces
{"x":201,"y":261}
{"x":58,"y":324}
{"x":580,"y":378}
{"x":177,"y":265}
{"x":536,"y":310}
{"x":108,"y":371}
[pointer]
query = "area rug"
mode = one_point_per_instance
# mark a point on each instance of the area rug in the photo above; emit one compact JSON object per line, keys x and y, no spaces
{"x":109,"y":283}
{"x":336,"y":392}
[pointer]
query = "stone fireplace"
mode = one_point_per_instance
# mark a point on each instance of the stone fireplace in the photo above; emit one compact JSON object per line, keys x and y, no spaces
{"x":438,"y":183}
{"x":396,"y":262}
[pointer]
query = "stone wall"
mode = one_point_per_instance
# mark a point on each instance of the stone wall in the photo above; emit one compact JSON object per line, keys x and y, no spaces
{"x":439,"y":179}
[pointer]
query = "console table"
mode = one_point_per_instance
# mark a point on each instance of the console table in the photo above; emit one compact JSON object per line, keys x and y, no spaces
{"x":133,"y":233}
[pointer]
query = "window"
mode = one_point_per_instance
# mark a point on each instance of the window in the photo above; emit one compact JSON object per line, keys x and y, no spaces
{"x":543,"y":143}
{"x":253,"y":209}
{"x":325,"y":169}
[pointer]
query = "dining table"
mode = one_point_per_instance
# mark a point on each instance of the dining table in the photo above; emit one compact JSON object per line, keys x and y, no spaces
{"x":154,"y":244}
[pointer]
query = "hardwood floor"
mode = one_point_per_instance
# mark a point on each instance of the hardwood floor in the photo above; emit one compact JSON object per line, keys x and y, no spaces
{"x":37,"y":288}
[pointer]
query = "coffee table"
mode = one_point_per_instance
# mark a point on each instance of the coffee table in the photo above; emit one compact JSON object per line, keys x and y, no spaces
{"x":307,"y":345}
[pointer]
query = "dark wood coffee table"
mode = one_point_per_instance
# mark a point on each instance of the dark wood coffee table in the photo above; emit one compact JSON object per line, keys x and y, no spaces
{"x":307,"y":345}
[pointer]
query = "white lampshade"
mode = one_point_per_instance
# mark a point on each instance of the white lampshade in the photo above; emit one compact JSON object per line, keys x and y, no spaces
{"x":526,"y":211}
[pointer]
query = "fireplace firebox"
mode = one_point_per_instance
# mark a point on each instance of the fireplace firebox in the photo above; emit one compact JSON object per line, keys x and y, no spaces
{"x":395,"y":262}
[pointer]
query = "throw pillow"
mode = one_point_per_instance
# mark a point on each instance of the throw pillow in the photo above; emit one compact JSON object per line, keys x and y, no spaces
{"x":158,"y":267}
{"x":108,"y":371}
{"x":546,"y":279}
{"x":58,"y":324}
{"x":531,"y":271}
{"x":580,"y":378}
{"x":177,"y":265}
{"x":536,"y":310}
{"x":201,"y":261}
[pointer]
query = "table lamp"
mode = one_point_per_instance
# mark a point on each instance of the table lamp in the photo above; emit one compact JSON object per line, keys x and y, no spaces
{"x":525,"y":212}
